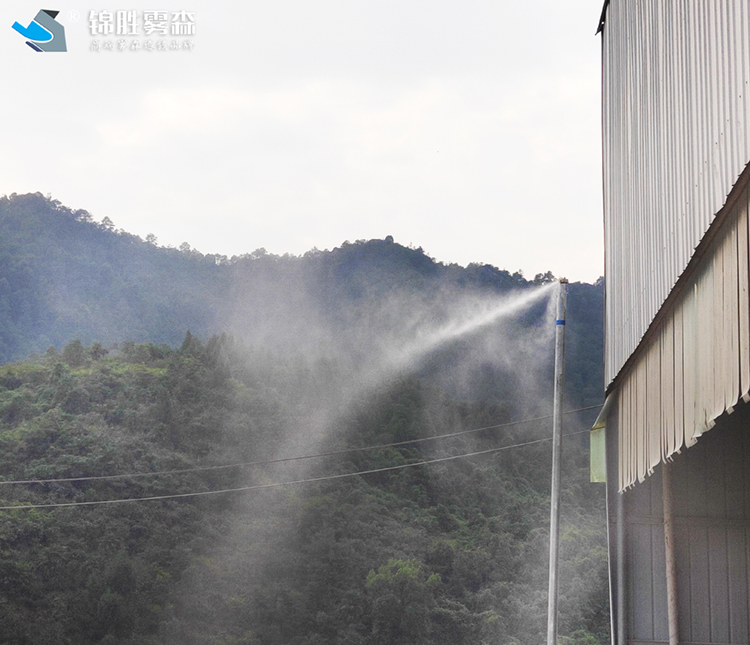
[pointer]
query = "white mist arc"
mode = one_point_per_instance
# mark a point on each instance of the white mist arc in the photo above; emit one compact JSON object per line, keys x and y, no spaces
{"x":413,"y":352}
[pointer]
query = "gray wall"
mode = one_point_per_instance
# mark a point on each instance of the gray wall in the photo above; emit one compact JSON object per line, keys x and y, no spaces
{"x":711,"y":489}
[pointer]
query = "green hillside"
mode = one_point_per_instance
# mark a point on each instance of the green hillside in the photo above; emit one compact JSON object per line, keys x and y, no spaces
{"x":285,"y":357}
{"x":65,"y":277}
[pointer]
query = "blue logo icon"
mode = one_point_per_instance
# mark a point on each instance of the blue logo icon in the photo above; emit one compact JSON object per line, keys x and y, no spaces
{"x":44,"y":33}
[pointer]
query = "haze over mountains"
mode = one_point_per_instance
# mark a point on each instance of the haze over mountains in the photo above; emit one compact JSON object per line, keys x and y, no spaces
{"x":150,"y":359}
{"x":64,"y":276}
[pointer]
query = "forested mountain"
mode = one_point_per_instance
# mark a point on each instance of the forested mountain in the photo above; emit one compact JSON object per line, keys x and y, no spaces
{"x":65,"y":277}
{"x":328,"y":354}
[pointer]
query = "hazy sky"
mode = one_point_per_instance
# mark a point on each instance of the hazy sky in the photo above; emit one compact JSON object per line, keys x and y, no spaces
{"x":470,"y":128}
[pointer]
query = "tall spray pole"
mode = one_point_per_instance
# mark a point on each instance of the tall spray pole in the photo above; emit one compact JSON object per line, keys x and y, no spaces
{"x":554,"y":521}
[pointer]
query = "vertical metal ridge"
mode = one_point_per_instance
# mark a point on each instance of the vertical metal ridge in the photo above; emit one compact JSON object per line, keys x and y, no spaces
{"x":676,"y":117}
{"x":696,"y":365}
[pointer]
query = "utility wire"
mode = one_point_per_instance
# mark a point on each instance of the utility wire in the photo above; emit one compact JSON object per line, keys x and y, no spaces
{"x":282,"y":460}
{"x":288,"y":483}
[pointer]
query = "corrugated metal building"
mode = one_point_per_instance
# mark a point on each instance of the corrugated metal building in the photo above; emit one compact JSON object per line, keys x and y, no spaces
{"x":676,"y":78}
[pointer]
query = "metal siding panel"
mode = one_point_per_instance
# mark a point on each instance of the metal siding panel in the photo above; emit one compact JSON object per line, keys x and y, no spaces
{"x":715,"y":120}
{"x":704,"y":351}
{"x":667,"y":389}
{"x":623,"y":419}
{"x":635,"y":425}
{"x":641,"y":581}
{"x":638,"y":500}
{"x":679,"y":412}
{"x":660,"y":620}
{"x":696,"y":466}
{"x":715,"y":485}
{"x":705,"y":341}
{"x":744,"y":303}
{"x":735,"y":138}
{"x":630,"y":438}
{"x":630,"y":451}
{"x":640,"y":427}
{"x":738,"y":127}
{"x":689,"y":363}
{"x":657,"y":502}
{"x":684,"y":599}
{"x":738,"y":608}
{"x":653,"y":407}
{"x":623,"y":453}
{"x":694,"y":366}
{"x":681,"y":486}
{"x":732,"y":467}
{"x":666,"y":197}
{"x":703,"y":178}
{"x":676,"y":138}
{"x":743,"y":70}
{"x":691,"y":100}
{"x":718,"y":584}
{"x":700,"y":619}
{"x":731,"y":326}
{"x":723,"y":80}
{"x":725,"y":279}
{"x":715,"y":362}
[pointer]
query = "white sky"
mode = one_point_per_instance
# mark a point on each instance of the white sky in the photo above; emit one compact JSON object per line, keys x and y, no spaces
{"x":471,"y":129}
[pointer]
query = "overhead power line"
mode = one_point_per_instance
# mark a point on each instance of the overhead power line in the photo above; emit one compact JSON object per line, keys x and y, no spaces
{"x":281,"y":460}
{"x":310,"y":480}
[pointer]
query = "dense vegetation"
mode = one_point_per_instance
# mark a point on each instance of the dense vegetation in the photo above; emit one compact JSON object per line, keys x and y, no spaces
{"x":449,"y":553}
{"x":452,"y":552}
{"x":64,"y":276}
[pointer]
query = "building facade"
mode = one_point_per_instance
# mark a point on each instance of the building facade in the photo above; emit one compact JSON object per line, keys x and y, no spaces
{"x":675,"y":431}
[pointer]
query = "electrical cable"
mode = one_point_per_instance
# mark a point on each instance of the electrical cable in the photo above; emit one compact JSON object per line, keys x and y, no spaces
{"x":281,"y":460}
{"x":288,"y":483}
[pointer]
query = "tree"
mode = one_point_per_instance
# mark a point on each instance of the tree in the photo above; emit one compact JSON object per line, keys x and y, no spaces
{"x":97,"y":351}
{"x":402,"y":597}
{"x":74,"y":353}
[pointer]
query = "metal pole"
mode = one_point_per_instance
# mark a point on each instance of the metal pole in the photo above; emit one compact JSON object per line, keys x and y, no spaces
{"x":666,"y":485}
{"x":554,"y":522}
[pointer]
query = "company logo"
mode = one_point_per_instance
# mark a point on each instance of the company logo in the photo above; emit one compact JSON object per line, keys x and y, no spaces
{"x":146,"y":31}
{"x":44,"y":33}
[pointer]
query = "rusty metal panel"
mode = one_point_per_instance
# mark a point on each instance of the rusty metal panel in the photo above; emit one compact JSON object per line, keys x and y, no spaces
{"x":675,"y":119}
